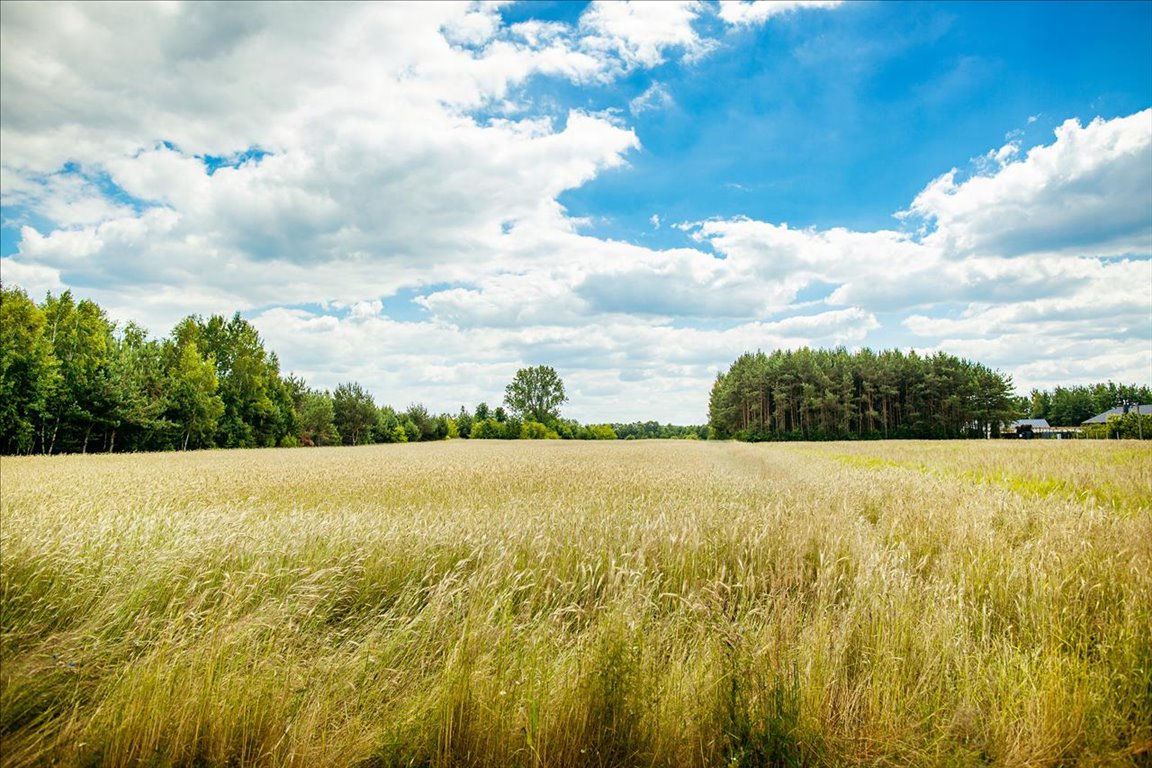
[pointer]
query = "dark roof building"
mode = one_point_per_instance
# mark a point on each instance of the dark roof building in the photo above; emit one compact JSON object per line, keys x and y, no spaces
{"x":1102,"y":418}
{"x":1034,"y":423}
{"x":1027,"y":429}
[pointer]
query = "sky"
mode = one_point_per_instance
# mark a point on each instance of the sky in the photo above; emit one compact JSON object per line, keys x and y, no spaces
{"x":423,"y":198}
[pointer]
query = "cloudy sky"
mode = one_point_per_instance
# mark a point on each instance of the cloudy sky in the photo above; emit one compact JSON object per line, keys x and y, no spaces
{"x":424,"y":198}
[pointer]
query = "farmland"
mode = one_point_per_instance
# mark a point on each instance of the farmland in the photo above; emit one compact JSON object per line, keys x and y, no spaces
{"x":664,"y":603}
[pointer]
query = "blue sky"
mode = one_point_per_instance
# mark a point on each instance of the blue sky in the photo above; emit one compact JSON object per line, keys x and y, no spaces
{"x":424,"y":197}
{"x":838,"y":118}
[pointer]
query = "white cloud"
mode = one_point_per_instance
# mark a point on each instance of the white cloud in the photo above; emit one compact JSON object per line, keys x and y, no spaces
{"x":363,"y":309}
{"x":1088,"y":191}
{"x":749,"y":12}
{"x":1095,"y":326}
{"x":883,"y":270}
{"x":641,"y":34}
{"x":35,"y":279}
{"x":69,"y":200}
{"x":655,"y":97}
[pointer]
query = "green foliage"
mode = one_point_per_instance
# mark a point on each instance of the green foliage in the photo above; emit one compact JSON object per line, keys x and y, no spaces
{"x":193,"y":402}
{"x":463,"y":422}
{"x":601,"y":432}
{"x":1072,"y":406}
{"x":428,"y":427}
{"x":536,"y":394}
{"x":354,"y":413}
{"x":1128,"y":426}
{"x":411,"y":430}
{"x":486,"y":429}
{"x":84,"y":399}
{"x":29,"y":371}
{"x":317,"y":419}
{"x":833,"y":394}
{"x":574,"y":431}
{"x":140,"y":391}
{"x":258,"y":408}
{"x":654,"y":430}
{"x":534,"y":430}
{"x":387,"y":421}
{"x":71,"y":381}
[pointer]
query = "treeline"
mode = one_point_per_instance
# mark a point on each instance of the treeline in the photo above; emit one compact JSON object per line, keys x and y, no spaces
{"x":349,"y":416}
{"x":1072,"y":406}
{"x":654,"y":430}
{"x":809,"y":394}
{"x":72,"y":381}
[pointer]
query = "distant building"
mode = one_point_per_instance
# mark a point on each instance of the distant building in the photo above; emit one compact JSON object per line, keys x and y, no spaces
{"x":1102,"y":418}
{"x":1027,"y":429}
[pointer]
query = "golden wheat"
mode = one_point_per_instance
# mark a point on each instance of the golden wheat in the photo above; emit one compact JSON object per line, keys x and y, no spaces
{"x":569,"y":604}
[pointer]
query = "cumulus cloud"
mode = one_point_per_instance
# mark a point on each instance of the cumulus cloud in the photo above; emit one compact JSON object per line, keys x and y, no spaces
{"x":370,"y":163}
{"x":642,"y":33}
{"x":1087,"y":191}
{"x":35,"y":279}
{"x":750,"y":12}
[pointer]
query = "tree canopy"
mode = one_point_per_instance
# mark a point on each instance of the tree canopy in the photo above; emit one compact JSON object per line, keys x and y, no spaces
{"x":1072,"y":406}
{"x":536,"y":394}
{"x":73,"y":381}
{"x":809,"y":394}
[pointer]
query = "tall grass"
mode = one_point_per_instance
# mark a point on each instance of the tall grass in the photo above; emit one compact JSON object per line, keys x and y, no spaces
{"x":626,"y":604}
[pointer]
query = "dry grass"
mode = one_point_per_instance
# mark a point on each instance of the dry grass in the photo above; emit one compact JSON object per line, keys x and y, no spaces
{"x":574,"y":604}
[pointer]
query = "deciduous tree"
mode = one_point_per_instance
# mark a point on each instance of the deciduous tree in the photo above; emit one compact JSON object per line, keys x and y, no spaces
{"x":536,"y":394}
{"x":355,"y":413}
{"x":29,"y":371}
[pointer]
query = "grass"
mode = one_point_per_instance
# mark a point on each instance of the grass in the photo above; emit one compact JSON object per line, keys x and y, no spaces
{"x":570,"y":604}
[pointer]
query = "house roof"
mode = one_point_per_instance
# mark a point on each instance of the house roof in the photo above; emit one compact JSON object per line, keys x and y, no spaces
{"x":1102,"y":418}
{"x":1034,"y":423}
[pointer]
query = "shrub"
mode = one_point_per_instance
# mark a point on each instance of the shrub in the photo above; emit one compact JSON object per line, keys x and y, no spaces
{"x":534,"y":430}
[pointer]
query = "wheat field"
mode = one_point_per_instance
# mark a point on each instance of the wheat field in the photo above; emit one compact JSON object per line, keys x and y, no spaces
{"x":580,"y":604}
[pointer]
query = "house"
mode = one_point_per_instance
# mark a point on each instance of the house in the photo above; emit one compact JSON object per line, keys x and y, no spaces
{"x":1102,"y":418}
{"x":1027,"y":429}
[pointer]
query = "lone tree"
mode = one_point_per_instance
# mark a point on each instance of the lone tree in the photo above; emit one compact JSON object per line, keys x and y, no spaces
{"x":536,"y":394}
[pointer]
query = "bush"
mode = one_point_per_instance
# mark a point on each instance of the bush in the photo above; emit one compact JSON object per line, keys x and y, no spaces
{"x":486,"y":429}
{"x":1130,"y":426}
{"x":534,"y":430}
{"x":601,"y":432}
